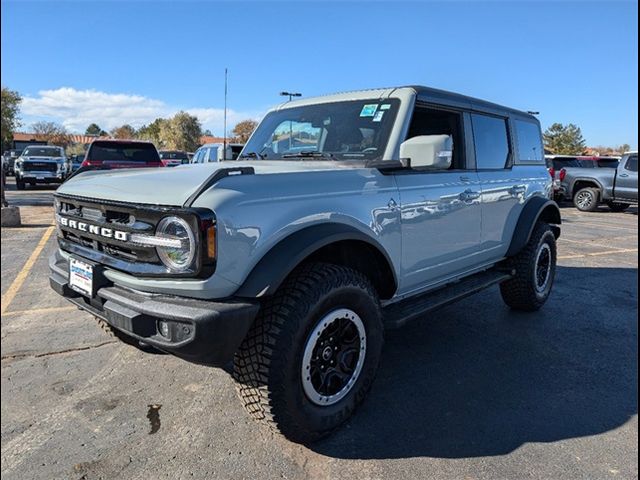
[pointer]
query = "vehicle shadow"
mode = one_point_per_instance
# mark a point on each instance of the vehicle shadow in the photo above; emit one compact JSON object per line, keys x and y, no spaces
{"x":632,"y":210}
{"x":477,"y":379}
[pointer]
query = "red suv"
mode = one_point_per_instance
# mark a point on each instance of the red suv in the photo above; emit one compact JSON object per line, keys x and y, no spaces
{"x":122,"y":154}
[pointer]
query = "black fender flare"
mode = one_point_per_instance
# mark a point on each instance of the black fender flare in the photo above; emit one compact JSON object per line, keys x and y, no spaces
{"x":537,"y":208}
{"x":595,"y":181}
{"x":274,"y":267}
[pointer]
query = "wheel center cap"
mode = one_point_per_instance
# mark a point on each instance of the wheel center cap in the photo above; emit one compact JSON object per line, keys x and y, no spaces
{"x":326,"y":353}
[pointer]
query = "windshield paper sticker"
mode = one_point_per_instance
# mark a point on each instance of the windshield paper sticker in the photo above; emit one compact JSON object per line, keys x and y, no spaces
{"x":378,"y":116}
{"x":369,"y":110}
{"x":386,"y":106}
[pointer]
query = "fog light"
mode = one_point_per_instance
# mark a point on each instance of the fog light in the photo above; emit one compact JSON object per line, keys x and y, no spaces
{"x":163,"y":328}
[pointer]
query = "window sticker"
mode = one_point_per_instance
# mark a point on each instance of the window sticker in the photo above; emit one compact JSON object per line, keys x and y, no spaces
{"x":385,"y":106}
{"x":378,"y":116}
{"x":369,"y":110}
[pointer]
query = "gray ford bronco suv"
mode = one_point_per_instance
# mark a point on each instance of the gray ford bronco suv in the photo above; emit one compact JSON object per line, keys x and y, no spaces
{"x":343,"y":216}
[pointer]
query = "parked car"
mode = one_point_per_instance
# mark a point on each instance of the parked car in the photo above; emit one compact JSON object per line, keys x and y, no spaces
{"x":214,"y":152}
{"x":75,"y":162}
{"x":292,"y":262}
{"x":590,"y":181}
{"x":10,"y":157}
{"x":40,"y":164}
{"x":113,"y":154}
{"x":173,"y":158}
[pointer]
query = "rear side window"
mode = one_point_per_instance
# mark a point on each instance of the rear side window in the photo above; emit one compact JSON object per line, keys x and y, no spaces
{"x":212,"y":155}
{"x":123,"y":152}
{"x":632,"y":163}
{"x":491,"y":141}
{"x":529,"y":142}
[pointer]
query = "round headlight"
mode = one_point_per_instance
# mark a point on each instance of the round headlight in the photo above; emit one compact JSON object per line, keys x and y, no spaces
{"x":177,"y":258}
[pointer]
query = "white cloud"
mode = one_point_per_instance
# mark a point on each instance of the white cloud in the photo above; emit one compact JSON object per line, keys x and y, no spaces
{"x":76,"y":109}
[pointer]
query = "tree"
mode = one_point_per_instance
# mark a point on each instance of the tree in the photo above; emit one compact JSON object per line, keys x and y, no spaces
{"x":182,"y":132}
{"x":124,"y":132}
{"x":10,"y":106}
{"x":243,"y":130}
{"x":625,"y":147}
{"x":75,"y":149}
{"x":151,"y":132}
{"x":207,"y":133}
{"x":52,"y":132}
{"x":564,"y":140}
{"x":94,"y":129}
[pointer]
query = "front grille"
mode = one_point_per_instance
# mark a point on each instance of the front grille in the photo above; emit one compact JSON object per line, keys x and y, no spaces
{"x":100,"y":231}
{"x":30,"y":166}
{"x":110,"y":217}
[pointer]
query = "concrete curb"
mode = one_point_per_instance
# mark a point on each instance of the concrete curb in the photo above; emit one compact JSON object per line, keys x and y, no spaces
{"x":10,"y":217}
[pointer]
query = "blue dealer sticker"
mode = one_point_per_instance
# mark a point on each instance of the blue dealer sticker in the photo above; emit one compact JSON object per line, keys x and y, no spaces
{"x":369,"y":110}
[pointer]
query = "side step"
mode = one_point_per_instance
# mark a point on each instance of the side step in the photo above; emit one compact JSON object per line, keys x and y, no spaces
{"x":397,"y":314}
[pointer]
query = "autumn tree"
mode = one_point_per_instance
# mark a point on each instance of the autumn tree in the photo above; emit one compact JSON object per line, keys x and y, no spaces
{"x":124,"y":132}
{"x":243,"y":130}
{"x":564,"y":139}
{"x":182,"y":132}
{"x":151,"y":132}
{"x":10,"y":122}
{"x":53,"y":133}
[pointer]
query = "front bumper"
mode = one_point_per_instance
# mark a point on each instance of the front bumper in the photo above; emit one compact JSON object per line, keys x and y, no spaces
{"x":201,"y":331}
{"x":40,"y":177}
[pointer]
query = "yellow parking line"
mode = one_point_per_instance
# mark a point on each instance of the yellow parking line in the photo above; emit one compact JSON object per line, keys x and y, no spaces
{"x":11,"y":292}
{"x":597,"y":254}
{"x":39,"y":310}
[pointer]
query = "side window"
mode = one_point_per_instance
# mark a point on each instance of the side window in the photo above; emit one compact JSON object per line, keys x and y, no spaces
{"x":197,"y":156}
{"x":632,"y":163}
{"x":491,"y":141}
{"x":212,"y":154}
{"x":529,"y":142}
{"x":432,"y":122}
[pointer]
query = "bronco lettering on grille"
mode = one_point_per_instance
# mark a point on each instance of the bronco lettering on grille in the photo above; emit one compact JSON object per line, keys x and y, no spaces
{"x":94,"y":229}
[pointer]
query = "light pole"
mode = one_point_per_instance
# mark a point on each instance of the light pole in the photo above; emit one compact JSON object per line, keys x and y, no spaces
{"x":290,"y":95}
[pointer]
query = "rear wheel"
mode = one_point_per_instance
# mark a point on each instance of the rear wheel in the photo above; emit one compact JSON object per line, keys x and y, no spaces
{"x":535,"y":268}
{"x":586,"y":200}
{"x":312,"y":353}
{"x":618,"y":207}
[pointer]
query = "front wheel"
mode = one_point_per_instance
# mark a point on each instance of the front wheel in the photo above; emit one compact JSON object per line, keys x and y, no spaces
{"x":312,"y":353}
{"x":535,"y":270}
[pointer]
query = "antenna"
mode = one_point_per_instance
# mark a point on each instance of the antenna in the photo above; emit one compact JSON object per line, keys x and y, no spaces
{"x":224,"y":151}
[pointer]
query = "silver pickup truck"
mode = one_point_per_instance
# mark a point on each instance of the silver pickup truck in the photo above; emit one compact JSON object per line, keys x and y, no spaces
{"x":344,"y":215}
{"x":591,"y":182}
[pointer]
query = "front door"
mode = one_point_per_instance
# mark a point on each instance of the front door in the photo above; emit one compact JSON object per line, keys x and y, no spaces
{"x":627,"y":179}
{"x":441,"y":220}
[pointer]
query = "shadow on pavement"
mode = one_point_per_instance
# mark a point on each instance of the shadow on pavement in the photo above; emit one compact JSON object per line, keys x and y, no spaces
{"x":479,"y":380}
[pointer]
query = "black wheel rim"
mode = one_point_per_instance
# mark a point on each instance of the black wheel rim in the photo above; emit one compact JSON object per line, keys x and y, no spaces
{"x":333,"y":357}
{"x":543,"y":268}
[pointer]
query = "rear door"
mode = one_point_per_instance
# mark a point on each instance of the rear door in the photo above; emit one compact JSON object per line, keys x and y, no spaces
{"x":627,"y":178}
{"x":504,"y":188}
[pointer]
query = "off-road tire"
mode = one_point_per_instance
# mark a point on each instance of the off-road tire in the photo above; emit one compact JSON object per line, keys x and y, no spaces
{"x":592,"y":206}
{"x":267,"y":366}
{"x":521,"y":292}
{"x":124,"y":338}
{"x":618,"y":207}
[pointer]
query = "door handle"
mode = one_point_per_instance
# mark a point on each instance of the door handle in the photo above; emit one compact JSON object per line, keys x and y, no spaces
{"x":624,"y":175}
{"x":469,"y":195}
{"x":465,"y":179}
{"x":518,"y":190}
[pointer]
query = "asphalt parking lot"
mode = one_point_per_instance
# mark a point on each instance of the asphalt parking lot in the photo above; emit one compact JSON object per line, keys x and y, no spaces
{"x":475,"y":391}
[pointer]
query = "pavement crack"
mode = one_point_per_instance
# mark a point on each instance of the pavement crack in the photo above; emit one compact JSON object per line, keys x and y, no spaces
{"x":15,"y":356}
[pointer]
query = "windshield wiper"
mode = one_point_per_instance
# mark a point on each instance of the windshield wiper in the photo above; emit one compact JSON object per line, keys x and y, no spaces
{"x":308,"y":154}
{"x":253,"y":155}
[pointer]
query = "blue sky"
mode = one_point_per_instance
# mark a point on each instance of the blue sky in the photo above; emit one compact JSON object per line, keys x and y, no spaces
{"x":117,"y":62}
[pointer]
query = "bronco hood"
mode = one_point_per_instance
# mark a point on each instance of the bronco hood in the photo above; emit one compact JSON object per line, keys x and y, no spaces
{"x":170,"y":186}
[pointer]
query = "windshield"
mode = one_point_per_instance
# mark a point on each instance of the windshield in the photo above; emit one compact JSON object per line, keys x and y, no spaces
{"x":126,"y":151}
{"x":174,"y":155}
{"x":42,"y":152}
{"x":340,"y":131}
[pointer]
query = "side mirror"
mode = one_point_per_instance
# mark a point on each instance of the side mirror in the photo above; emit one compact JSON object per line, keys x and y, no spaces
{"x":428,"y":151}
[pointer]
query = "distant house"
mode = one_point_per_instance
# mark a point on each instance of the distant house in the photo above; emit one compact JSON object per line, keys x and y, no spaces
{"x":21,"y":140}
